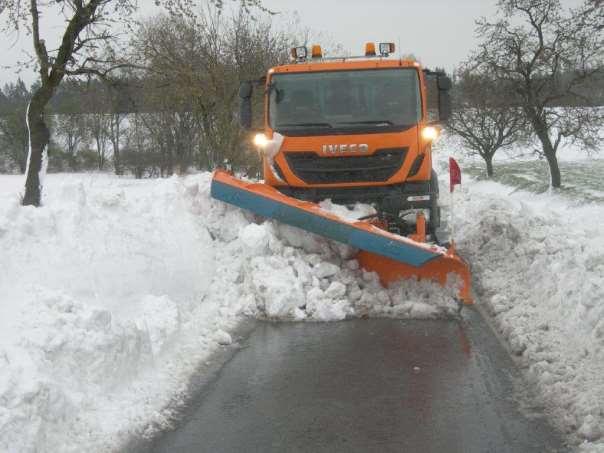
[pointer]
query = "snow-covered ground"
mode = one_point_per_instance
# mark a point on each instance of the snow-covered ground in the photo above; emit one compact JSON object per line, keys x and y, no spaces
{"x":114,"y":293}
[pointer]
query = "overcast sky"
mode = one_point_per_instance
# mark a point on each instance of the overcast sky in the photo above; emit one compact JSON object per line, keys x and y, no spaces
{"x":438,"y":32}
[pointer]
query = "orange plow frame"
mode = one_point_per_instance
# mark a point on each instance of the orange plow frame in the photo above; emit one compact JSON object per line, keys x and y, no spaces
{"x":391,"y":256}
{"x":437,"y":270}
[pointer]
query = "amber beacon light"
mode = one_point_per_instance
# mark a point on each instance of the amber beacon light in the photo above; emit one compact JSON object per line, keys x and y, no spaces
{"x":370,"y":49}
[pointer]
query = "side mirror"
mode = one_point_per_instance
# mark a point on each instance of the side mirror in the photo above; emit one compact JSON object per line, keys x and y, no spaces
{"x":444,"y":98}
{"x":444,"y":83}
{"x":245,"y":104}
{"x":245,"y":89}
{"x":444,"y":105}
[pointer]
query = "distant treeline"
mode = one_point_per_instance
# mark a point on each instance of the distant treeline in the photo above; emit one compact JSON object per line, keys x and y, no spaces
{"x":121,"y":121}
{"x":180,"y":112}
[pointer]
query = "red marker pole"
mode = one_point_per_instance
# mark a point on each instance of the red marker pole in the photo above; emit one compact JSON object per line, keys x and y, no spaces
{"x":454,"y":179}
{"x":454,"y":174}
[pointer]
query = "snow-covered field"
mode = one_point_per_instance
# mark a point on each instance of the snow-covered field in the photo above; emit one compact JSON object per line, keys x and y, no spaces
{"x":114,"y":293}
{"x":519,"y":167}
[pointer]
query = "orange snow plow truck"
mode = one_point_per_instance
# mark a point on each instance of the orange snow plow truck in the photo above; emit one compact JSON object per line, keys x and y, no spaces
{"x":353,"y":129}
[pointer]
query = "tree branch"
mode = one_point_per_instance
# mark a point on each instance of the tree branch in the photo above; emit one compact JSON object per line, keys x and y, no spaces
{"x":39,"y":45}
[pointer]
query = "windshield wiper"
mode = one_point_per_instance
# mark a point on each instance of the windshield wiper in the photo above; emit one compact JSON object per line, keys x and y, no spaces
{"x":372,"y":122}
{"x":305,"y":125}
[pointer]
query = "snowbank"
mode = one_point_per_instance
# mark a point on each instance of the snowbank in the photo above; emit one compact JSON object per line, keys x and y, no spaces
{"x":95,"y":287}
{"x":539,"y":270}
{"x":115,"y":291}
{"x":538,"y":267}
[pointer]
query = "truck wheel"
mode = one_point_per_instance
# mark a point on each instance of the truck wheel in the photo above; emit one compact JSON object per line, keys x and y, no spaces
{"x":434,"y":223}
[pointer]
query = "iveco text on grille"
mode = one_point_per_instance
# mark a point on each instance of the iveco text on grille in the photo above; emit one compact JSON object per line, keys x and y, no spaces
{"x":352,"y":148}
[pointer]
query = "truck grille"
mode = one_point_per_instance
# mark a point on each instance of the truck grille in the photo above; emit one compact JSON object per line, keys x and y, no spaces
{"x":378,"y":167}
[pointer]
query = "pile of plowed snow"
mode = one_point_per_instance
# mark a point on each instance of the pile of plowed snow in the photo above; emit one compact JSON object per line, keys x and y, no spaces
{"x":115,"y":291}
{"x":538,"y":262}
{"x":281,"y":272}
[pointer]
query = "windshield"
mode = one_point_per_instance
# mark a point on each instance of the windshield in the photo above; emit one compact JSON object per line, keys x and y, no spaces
{"x":344,"y":101}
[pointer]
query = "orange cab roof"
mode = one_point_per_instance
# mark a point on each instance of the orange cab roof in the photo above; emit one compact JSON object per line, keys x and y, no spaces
{"x":343,"y":63}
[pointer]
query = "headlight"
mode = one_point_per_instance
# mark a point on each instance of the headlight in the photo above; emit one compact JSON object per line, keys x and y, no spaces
{"x":429,"y":133}
{"x":260,"y":140}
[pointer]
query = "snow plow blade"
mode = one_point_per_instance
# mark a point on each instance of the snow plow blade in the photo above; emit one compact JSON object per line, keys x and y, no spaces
{"x":391,"y":256}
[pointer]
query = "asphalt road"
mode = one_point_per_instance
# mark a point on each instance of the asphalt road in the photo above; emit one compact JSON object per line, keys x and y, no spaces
{"x":364,"y":385}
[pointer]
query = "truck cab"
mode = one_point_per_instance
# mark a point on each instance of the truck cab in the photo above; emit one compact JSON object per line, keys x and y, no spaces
{"x":352,"y":129}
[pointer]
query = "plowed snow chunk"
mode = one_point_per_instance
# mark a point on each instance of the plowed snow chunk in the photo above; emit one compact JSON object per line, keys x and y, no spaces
{"x":160,"y":318}
{"x":300,"y":238}
{"x":324,"y":270}
{"x":335,"y":290}
{"x":325,"y":309}
{"x":223,"y":338}
{"x":255,"y":237}
{"x":277,"y":290}
{"x":348,"y":213}
{"x":315,"y":294}
{"x":353,"y":265}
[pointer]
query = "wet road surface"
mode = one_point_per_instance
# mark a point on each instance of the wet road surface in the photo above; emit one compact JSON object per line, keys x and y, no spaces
{"x":364,"y":385}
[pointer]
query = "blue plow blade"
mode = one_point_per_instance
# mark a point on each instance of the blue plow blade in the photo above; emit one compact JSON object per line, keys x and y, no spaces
{"x":268,"y":202}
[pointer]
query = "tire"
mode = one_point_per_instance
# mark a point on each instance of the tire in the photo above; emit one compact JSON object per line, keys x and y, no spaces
{"x":434,"y":222}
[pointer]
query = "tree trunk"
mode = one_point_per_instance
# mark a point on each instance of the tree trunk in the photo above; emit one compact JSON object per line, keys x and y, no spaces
{"x":100,"y":149}
{"x":489,"y":161}
{"x":552,"y":159}
{"x":117,"y":162}
{"x":542,"y":132}
{"x":39,"y":136}
{"x":73,"y":162}
{"x":554,"y":169}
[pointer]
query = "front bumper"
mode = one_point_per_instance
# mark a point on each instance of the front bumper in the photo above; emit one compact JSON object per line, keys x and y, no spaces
{"x":392,"y":198}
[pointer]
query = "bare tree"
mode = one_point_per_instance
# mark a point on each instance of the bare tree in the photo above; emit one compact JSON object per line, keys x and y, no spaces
{"x":116,"y":132}
{"x":14,"y":141}
{"x":117,"y":117}
{"x":530,"y":47}
{"x":195,"y":69}
{"x":593,"y":14}
{"x":138,"y":154}
{"x":98,"y":124}
{"x":73,"y":134}
{"x":97,"y":107}
{"x":485,"y":116}
{"x":88,"y":28}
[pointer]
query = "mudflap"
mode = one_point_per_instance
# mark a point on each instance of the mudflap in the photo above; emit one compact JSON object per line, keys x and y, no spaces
{"x":391,"y":256}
